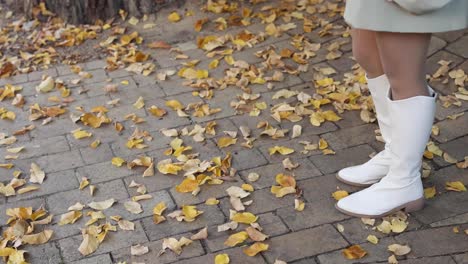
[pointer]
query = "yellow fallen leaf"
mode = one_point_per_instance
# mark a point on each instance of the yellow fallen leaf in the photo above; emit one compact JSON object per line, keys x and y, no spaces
{"x":117,"y":161}
{"x":449,"y":158}
{"x":398,"y":226}
{"x":39,"y":238}
{"x":226,"y":141}
{"x":373,"y":239}
{"x":159,"y":208}
{"x":354,"y":252}
{"x":95,"y":144}
{"x":187,"y":185}
{"x":456,"y":186}
{"x":202,"y":234}
{"x":102,"y":205}
{"x":236,"y":239}
{"x":29,"y":188}
{"x":212,"y":201}
{"x":255,"y":235}
{"x":322,"y":144}
{"x":140,"y":103}
{"x":340,"y":194}
{"x":247,"y":187}
{"x":89,"y":244}
{"x":37,"y":174}
{"x":190,"y":212}
{"x":222,"y":259}
{"x":399,"y":250}
{"x":245,"y":218}
{"x":256,"y":248}
{"x":174,"y":17}
{"x":70,"y":217}
{"x":281,"y":150}
{"x":430,"y":192}
{"x":133,"y":207}
{"x":299,"y":205}
{"x":79,"y":134}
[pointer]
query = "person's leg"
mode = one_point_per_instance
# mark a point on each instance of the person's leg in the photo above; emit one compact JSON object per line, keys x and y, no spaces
{"x":366,"y":52}
{"x":403,"y":57}
{"x":411,"y":113}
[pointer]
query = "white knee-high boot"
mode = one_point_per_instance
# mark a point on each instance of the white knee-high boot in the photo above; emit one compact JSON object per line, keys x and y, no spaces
{"x":376,"y":168}
{"x":401,"y":188}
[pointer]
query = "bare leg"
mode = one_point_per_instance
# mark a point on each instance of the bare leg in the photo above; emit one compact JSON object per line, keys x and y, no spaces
{"x":403,"y":57}
{"x":366,"y":52}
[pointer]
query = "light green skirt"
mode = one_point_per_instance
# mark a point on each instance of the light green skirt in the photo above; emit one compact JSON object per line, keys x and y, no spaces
{"x":381,"y":15}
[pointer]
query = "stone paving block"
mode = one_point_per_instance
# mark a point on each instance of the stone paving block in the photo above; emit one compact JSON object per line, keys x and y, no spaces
{"x":143,"y":81}
{"x":321,"y":188}
{"x":263,"y":201}
{"x":429,"y":260}
{"x":99,"y":75}
{"x":174,"y":85}
{"x":207,"y":191}
{"x":308,"y":129}
{"x":113,"y":241}
{"x":55,"y":162}
{"x":43,"y":254}
{"x":290,"y":80}
{"x":271,"y":224}
{"x":344,"y":63}
{"x":221,"y":100}
{"x":441,"y":207}
{"x":120,"y":149}
{"x":20,"y":78}
{"x":100,"y":259}
{"x":34,"y":203}
{"x":306,"y":243}
{"x":153,"y":183}
{"x":442,"y":112}
{"x":350,"y":119}
{"x":59,"y":202}
{"x":434,"y":242}
{"x":131,"y":95}
{"x":376,"y":253}
{"x":268,"y":173}
{"x":456,"y":148}
{"x":120,"y":73}
{"x":235,"y":255}
{"x":212,"y":216}
{"x":342,"y":159}
{"x":37,"y":75}
{"x":95,"y":64}
{"x":39,"y":147}
{"x":447,"y":174}
{"x":432,"y":62}
{"x":53,"y":183}
{"x":100,"y":154}
{"x":104,"y":171}
{"x":454,"y":220}
{"x":315,"y":213}
{"x":146,"y":205}
{"x":193,"y":250}
{"x":451,"y":35}
{"x":305,"y":261}
{"x":356,"y":232}
{"x":247,"y":159}
{"x":57,"y":127}
{"x":459,"y":47}
{"x":452,"y":129}
{"x":65,"y":231}
{"x":293,"y":144}
{"x":118,"y":113}
{"x":350,"y":137}
{"x":461,"y":258}
{"x":435,"y":45}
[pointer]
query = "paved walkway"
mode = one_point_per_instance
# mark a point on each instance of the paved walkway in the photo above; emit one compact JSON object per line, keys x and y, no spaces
{"x":437,"y":234}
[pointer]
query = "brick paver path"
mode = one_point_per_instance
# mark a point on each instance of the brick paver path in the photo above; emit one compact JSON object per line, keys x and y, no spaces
{"x":307,"y":237}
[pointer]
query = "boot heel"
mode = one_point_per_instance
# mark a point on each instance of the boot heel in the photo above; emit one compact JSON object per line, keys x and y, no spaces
{"x":415,"y":205}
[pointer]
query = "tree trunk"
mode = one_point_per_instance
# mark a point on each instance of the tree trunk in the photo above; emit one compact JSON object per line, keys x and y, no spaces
{"x":88,"y":11}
